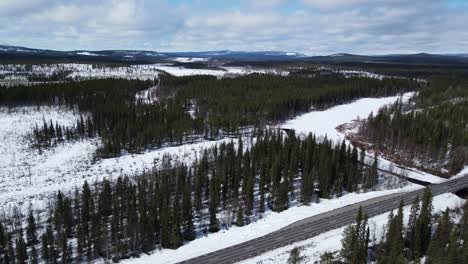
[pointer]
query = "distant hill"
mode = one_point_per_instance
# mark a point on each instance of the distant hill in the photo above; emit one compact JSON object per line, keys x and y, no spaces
{"x":17,"y":53}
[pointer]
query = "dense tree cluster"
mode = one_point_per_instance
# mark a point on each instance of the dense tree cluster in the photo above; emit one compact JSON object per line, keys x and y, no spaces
{"x":259,"y":99}
{"x":230,"y":184}
{"x":49,"y":134}
{"x":200,"y":106}
{"x":434,"y":130}
{"x":444,"y":242}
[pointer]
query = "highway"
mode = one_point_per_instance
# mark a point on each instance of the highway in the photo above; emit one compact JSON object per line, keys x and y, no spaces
{"x":315,"y":225}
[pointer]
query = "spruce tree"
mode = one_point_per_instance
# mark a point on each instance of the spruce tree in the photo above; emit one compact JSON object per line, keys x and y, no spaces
{"x":424,"y":224}
{"x":31,"y":232}
{"x":188,"y":229}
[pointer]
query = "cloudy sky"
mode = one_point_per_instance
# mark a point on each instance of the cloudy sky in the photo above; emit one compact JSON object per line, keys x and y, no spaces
{"x":309,"y":26}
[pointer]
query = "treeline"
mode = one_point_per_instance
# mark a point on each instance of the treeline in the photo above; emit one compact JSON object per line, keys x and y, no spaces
{"x":434,"y":130}
{"x":230,"y":184}
{"x":258,"y":99}
{"x":50,"y":134}
{"x":195,"y":106}
{"x":436,"y":238}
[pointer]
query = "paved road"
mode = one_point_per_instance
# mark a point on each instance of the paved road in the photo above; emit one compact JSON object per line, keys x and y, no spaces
{"x":315,"y":225}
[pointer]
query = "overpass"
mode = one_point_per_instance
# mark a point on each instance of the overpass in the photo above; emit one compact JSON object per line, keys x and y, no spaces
{"x":315,"y":225}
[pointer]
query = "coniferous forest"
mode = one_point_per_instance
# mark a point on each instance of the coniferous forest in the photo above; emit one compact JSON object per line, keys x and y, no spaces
{"x":188,"y":107}
{"x":433,"y":129}
{"x":230,"y":184}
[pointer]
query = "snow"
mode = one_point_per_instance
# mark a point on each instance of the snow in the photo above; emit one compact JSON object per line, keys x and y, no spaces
{"x":86,"y":53}
{"x":324,"y":123}
{"x":67,"y":165}
{"x":271,"y":221}
{"x":189,"y":59}
{"x":181,"y":71}
{"x":18,"y":73}
{"x":355,"y":73}
{"x":331,"y":240}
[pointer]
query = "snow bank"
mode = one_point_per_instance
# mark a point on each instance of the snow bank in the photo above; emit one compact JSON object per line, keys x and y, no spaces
{"x":331,"y":240}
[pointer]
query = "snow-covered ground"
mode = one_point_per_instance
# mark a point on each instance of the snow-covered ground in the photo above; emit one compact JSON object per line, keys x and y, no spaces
{"x":17,"y":73}
{"x":356,"y":73}
{"x":27,"y":176}
{"x":189,"y":59}
{"x":313,"y":248}
{"x":324,"y":123}
{"x":69,"y":165}
{"x":270,"y":222}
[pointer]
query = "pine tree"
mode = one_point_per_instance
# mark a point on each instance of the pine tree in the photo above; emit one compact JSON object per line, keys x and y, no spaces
{"x":452,"y":249}
{"x":10,"y":252}
{"x":188,"y":229}
{"x":295,"y":256}
{"x":31,"y":233}
{"x":34,"y":257}
{"x":348,"y":243}
{"x":424,"y":225}
{"x":412,"y":229}
{"x":21,"y":252}
{"x":3,"y":243}
{"x":437,"y":247}
{"x":240,"y":217}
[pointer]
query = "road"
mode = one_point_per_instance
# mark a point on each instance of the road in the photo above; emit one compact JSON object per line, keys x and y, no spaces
{"x":315,"y":225}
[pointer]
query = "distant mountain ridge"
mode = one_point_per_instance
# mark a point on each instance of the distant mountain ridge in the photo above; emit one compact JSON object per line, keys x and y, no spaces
{"x":12,"y":53}
{"x":144,"y":54}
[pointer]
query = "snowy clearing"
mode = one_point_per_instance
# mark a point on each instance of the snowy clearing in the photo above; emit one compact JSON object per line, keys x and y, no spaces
{"x":18,"y":73}
{"x":324,"y":123}
{"x":189,"y":59}
{"x":29,"y":177}
{"x":331,"y":240}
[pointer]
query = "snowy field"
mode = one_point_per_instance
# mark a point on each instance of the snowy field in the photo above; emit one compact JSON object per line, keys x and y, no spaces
{"x":141,"y":71}
{"x":311,"y":249}
{"x":29,"y":177}
{"x":324,"y":123}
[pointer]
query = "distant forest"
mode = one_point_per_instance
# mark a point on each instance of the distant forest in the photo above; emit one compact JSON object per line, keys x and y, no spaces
{"x":193,"y":106}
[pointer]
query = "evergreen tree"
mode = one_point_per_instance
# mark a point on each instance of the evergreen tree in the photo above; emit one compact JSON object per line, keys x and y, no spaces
{"x":295,"y":256}
{"x":424,"y":224}
{"x":413,"y":229}
{"x":188,"y":229}
{"x":31,"y":233}
{"x":21,"y":252}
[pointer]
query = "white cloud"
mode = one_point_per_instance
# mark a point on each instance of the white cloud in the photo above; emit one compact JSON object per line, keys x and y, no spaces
{"x":357,"y":26}
{"x":14,"y":7}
